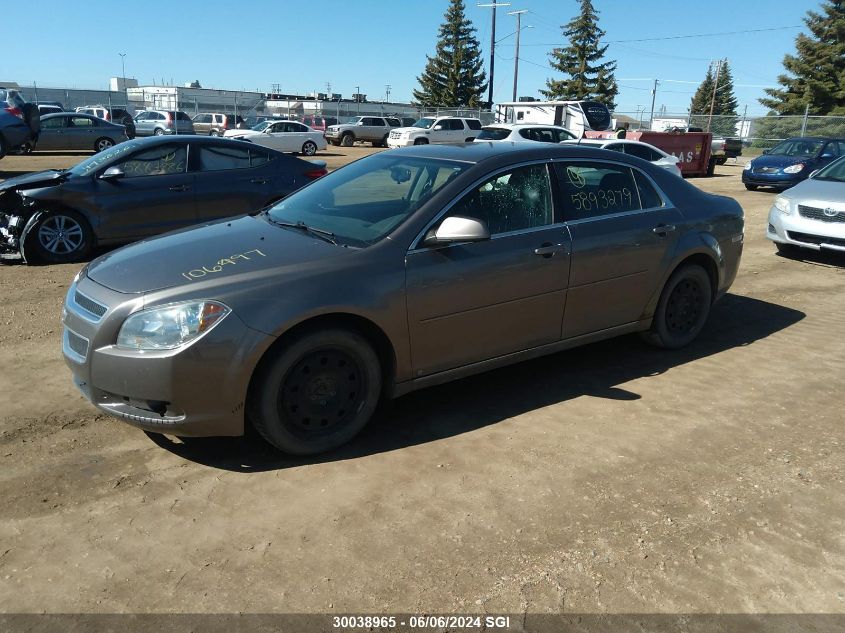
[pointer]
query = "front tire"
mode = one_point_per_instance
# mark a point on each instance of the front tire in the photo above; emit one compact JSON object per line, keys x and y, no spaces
{"x":421,"y":141}
{"x":3,"y":147}
{"x":103,"y":144}
{"x":347,"y":140}
{"x":787,"y":250}
{"x":317,"y":393}
{"x":309,"y":148}
{"x":61,"y":237}
{"x":158,"y":132}
{"x":751,"y":187}
{"x":214,"y":133}
{"x":683,"y":308}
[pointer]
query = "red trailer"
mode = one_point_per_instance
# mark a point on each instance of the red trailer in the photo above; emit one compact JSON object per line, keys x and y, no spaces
{"x":692,"y":149}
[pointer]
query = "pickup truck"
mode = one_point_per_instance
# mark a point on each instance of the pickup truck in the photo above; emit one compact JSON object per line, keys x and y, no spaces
{"x":373,"y":129}
{"x":725,"y":148}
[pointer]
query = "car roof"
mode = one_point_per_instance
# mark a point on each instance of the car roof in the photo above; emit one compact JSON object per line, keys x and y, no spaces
{"x":520,"y":126}
{"x":478,"y":152}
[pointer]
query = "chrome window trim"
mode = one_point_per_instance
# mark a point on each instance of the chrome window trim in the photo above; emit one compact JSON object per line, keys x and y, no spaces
{"x":415,"y":243}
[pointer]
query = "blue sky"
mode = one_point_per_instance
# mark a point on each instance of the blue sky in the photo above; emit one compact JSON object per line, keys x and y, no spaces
{"x":372,"y":43}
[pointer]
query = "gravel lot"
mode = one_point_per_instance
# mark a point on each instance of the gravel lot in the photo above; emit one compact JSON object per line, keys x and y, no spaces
{"x":613,"y":478}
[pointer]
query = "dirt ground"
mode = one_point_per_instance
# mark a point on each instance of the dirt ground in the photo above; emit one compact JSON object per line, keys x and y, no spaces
{"x":614,"y":478}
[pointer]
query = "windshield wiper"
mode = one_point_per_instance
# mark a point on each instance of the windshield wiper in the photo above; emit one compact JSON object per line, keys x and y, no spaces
{"x":327,"y":236}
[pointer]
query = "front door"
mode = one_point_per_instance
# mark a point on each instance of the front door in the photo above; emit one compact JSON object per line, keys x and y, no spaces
{"x":623,"y":234}
{"x":468,"y":302}
{"x":81,"y":132}
{"x":155,"y":194}
{"x":53,"y":133}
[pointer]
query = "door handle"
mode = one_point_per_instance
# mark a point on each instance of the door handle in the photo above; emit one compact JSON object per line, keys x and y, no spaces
{"x":549,"y":250}
{"x":259,"y":181}
{"x":179,"y":187}
{"x":663,"y":229}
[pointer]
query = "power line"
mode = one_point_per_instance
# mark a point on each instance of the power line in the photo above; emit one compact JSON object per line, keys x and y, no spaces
{"x":683,"y":37}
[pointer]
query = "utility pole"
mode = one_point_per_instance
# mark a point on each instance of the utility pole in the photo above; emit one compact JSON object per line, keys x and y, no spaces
{"x":358,"y":97}
{"x":653,"y":97}
{"x":123,"y":71}
{"x":518,"y":15}
{"x":494,"y":6}
{"x":713,"y":99}
{"x":387,"y":93}
{"x":804,"y":121}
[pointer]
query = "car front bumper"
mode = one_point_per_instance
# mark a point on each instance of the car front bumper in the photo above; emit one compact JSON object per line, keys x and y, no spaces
{"x":778,"y":180}
{"x":197,"y":390}
{"x":399,"y":142}
{"x":809,"y":233}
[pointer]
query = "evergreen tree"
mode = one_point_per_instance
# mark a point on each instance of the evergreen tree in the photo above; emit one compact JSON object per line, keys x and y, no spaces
{"x":816,"y":73}
{"x":724,"y":105}
{"x":454,"y":77}
{"x":586,"y":75}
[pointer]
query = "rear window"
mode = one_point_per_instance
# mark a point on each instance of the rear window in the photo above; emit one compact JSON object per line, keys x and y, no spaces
{"x":474,"y":124}
{"x":493,"y":134}
{"x":181,"y":116}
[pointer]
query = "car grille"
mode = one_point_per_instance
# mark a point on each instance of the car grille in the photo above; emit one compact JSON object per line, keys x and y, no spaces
{"x":90,"y":306}
{"x":395,"y":135}
{"x":815,"y":239}
{"x":824,"y":215}
{"x":75,"y":345}
{"x":766,"y":170}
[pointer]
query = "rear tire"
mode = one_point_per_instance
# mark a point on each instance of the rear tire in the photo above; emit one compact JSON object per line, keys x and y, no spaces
{"x":318,"y":392}
{"x":158,"y":132}
{"x":751,"y":187}
{"x":683,"y":308}
{"x":3,"y":146}
{"x":711,"y":167}
{"x":103,"y":144}
{"x":214,"y":133}
{"x":347,"y":140}
{"x":309,"y":148}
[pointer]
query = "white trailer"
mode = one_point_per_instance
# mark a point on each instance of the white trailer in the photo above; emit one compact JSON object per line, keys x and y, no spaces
{"x":575,"y":116}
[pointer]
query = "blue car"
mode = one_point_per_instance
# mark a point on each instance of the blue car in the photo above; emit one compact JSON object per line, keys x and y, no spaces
{"x":791,"y":161}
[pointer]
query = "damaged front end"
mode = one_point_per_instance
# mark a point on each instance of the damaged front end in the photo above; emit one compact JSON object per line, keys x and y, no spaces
{"x":17,"y":216}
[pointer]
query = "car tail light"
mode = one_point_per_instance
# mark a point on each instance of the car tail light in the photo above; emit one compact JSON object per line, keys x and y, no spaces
{"x":313,"y":174}
{"x":14,"y":110}
{"x":107,"y":116}
{"x":169,"y":120}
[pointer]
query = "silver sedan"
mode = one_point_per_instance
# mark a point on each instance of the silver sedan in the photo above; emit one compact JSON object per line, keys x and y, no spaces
{"x":812,"y":213}
{"x":75,"y":131}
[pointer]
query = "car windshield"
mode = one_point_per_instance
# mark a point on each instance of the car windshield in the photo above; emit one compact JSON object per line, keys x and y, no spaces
{"x":95,"y":162}
{"x":493,"y":134}
{"x":797,"y":147}
{"x":835,"y":172}
{"x":424,"y":123}
{"x":260,"y":127}
{"x":363,"y":202}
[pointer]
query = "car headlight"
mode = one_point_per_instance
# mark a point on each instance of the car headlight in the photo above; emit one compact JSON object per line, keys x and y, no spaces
{"x":782,"y":204}
{"x":747,"y":166}
{"x":170,"y":326}
{"x":793,"y":169}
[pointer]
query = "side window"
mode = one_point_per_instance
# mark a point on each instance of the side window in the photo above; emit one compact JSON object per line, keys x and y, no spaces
{"x":219,"y":158}
{"x":543,"y":135}
{"x":81,"y":122}
{"x":562,"y":135}
{"x":513,"y":201}
{"x":142,"y":116}
{"x":831,"y":148}
{"x":591,"y":189}
{"x":526,"y":133}
{"x":841,"y":148}
{"x":615,"y":147}
{"x":456,"y":124}
{"x":54,"y":123}
{"x":520,"y":116}
{"x":474,"y":124}
{"x":157,"y":161}
{"x":298,"y":127}
{"x":640,"y":151}
{"x":258,"y":157}
{"x":649,"y":198}
{"x":278,"y":127}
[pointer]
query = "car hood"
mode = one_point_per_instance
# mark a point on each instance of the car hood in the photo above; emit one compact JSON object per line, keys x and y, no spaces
{"x":819,"y":192}
{"x":767,"y":160}
{"x":247,"y":244}
{"x":230,"y":133}
{"x":35,"y":180}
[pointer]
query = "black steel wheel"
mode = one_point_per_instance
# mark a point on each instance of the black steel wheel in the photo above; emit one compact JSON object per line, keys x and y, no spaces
{"x":683,"y":308}
{"x":318,"y":393}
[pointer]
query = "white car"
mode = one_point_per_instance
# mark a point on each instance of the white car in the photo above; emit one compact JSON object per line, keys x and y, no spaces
{"x":634,"y":148}
{"x":522,"y":132}
{"x":283,"y":136}
{"x":811,"y":214}
{"x":444,"y":129}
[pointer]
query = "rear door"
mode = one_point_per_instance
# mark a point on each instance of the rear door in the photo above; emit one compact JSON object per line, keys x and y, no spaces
{"x":624,"y":233}
{"x":81,"y":132}
{"x":155,"y":195}
{"x":231,"y":179}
